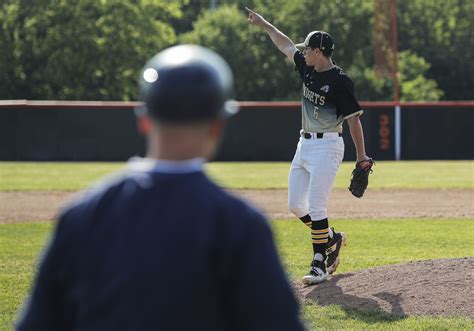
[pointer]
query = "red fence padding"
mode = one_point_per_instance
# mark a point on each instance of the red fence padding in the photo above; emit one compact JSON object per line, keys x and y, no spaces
{"x":41,"y":104}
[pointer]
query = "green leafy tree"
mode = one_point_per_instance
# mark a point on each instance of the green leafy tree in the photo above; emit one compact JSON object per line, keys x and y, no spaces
{"x":82,"y":49}
{"x":413,"y":83}
{"x":190,"y":12}
{"x":349,"y":23}
{"x":442,"y":32}
{"x":86,"y":49}
{"x":370,"y":86}
{"x":415,"y":86}
{"x":7,"y":51}
{"x":193,"y":9}
{"x":259,"y":69}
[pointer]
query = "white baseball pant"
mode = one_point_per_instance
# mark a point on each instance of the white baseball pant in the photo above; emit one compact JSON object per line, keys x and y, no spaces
{"x":312,"y":175}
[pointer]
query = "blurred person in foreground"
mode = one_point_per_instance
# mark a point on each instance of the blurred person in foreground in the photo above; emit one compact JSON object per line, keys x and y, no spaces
{"x":161,"y":247}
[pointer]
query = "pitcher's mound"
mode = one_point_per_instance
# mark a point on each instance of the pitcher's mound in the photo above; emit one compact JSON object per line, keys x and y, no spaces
{"x":432,"y":287}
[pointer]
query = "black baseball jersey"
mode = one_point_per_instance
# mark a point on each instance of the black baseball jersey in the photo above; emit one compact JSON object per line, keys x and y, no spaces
{"x":154,"y":250}
{"x":328,"y":97}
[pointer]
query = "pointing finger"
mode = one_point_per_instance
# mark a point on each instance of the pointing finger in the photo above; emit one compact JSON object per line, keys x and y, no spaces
{"x":250,"y":11}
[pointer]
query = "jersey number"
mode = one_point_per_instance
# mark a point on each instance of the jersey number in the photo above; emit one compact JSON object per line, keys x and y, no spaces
{"x":316,"y":112}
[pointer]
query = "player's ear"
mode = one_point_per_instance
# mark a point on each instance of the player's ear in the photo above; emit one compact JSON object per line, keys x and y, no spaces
{"x":216,"y":128}
{"x":143,"y":124}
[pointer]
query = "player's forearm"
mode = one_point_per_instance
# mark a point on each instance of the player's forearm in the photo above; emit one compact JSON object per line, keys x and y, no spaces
{"x":357,"y":134}
{"x":278,"y":38}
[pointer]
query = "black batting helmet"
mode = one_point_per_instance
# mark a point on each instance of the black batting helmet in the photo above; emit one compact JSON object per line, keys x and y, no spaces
{"x":187,"y":83}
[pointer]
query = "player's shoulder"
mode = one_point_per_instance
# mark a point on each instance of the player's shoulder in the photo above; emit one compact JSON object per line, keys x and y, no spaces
{"x":342,"y":79}
{"x":298,"y":55}
{"x":300,"y":63}
{"x":89,"y":201}
{"x":237,"y":213}
{"x":340,"y":73}
{"x":235,"y":206}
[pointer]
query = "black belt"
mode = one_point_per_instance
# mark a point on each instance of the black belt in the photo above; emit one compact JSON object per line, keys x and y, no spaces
{"x":319,"y":135}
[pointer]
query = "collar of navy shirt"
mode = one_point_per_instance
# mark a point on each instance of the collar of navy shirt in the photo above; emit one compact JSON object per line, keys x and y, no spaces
{"x":166,"y":166}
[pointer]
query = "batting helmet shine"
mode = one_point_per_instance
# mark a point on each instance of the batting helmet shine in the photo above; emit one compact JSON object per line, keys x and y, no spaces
{"x":187,"y":83}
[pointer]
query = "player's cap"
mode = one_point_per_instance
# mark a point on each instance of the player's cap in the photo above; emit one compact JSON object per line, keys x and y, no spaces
{"x":187,"y":83}
{"x":318,"y":39}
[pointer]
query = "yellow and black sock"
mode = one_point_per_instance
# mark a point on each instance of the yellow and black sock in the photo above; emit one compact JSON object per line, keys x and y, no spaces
{"x":320,"y":236}
{"x":306,"y":219}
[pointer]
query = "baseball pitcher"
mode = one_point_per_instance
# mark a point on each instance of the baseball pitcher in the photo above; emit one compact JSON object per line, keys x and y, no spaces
{"x":327,"y":100}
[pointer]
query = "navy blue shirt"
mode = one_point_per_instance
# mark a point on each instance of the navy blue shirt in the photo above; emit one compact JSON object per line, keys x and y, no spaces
{"x":160,"y":251}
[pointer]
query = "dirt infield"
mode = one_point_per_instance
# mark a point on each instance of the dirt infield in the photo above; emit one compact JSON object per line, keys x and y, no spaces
{"x":432,"y":287}
{"x":376,"y":204}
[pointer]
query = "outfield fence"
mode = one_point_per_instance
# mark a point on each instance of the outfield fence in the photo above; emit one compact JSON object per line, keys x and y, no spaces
{"x":262,"y":131}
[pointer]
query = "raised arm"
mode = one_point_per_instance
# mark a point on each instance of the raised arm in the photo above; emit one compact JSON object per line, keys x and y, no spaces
{"x":281,"y":41}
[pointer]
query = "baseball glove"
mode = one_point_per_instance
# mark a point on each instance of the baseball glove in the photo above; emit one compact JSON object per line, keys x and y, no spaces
{"x":360,"y":177}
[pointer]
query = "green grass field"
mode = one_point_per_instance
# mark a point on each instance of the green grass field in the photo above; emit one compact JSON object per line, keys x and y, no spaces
{"x":371,"y":242}
{"x":30,"y":176}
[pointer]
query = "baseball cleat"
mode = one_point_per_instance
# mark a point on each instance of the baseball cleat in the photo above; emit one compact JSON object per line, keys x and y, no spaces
{"x":334,"y":250}
{"x":317,"y":273}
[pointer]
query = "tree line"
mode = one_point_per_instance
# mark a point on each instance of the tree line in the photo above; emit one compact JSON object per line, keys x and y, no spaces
{"x":94,"y":50}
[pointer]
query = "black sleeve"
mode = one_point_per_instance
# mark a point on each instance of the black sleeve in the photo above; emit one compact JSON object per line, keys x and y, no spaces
{"x":262,"y":297}
{"x":46,"y":308}
{"x":346,"y":101}
{"x":300,"y":63}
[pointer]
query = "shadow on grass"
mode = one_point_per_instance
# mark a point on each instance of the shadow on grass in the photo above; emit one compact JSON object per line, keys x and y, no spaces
{"x":360,"y":308}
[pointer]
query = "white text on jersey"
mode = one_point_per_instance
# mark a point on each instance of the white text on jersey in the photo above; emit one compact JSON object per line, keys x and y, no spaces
{"x":313,"y":96}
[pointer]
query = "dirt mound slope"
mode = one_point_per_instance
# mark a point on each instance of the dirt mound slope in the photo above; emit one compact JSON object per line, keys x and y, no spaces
{"x":431,"y":287}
